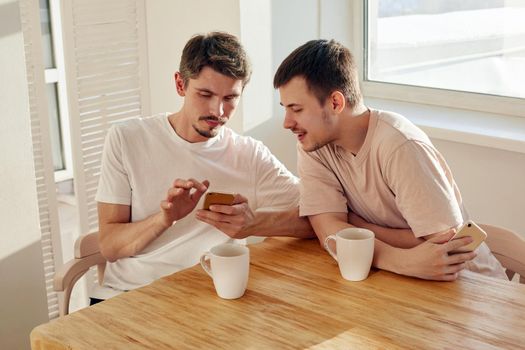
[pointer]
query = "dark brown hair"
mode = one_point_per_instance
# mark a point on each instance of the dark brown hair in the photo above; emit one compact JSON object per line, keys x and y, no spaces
{"x":218,"y":50}
{"x":326,"y":65}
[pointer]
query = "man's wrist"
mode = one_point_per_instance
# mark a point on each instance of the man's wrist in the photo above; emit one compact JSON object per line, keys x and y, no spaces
{"x":389,"y":258}
{"x":161,"y":224}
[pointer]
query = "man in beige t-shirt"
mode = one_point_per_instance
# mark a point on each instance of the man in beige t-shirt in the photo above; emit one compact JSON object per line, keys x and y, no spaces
{"x":372,"y":169}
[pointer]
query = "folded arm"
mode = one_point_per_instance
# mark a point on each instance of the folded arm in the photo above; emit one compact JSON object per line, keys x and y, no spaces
{"x":400,"y":238}
{"x":428,"y":260}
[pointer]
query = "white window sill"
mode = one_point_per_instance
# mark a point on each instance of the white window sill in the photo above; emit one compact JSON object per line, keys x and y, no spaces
{"x":482,"y":129}
{"x":63,"y":175}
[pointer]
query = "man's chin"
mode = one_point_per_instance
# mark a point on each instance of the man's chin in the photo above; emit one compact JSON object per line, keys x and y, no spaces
{"x":208,"y":133}
{"x":306,"y":147}
{"x":310,"y":147}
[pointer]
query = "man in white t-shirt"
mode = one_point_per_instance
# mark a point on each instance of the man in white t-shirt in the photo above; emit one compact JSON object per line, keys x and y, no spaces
{"x":155,"y":170}
{"x":372,"y":169}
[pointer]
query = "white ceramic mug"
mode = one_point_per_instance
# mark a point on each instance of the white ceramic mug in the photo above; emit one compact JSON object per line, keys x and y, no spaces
{"x":228,"y":266}
{"x":355,"y":251}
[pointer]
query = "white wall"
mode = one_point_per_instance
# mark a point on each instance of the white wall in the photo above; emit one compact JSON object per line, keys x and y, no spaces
{"x":293,"y":22}
{"x":256,"y":36}
{"x":23,"y":303}
{"x":492,"y":182}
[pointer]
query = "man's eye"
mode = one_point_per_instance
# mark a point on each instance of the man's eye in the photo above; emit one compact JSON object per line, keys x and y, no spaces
{"x":296,"y":110}
{"x":230,"y":98}
{"x":205,"y":95}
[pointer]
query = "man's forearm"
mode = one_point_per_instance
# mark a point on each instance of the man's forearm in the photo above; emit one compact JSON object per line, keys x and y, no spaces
{"x":280,"y":223}
{"x":401,"y":238}
{"x":121,"y":240}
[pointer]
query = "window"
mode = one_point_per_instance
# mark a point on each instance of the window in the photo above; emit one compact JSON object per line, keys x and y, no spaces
{"x":473,"y":46}
{"x":55,"y":88}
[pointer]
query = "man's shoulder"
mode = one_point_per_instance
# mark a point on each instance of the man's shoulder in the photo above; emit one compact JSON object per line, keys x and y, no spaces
{"x":396,"y":135}
{"x":140,"y":123}
{"x":133,"y":128}
{"x":393,"y":130}
{"x":241,"y":142}
{"x":249,"y":149}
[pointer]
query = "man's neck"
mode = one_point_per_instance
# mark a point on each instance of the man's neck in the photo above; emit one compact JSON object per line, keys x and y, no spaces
{"x":183,"y":128}
{"x":353,"y":129}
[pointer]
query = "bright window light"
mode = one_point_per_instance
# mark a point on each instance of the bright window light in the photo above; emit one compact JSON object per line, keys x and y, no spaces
{"x":466,"y":45}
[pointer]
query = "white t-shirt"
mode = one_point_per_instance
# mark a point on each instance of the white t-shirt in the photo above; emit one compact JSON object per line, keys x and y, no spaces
{"x":142,"y":158}
{"x":396,"y":180}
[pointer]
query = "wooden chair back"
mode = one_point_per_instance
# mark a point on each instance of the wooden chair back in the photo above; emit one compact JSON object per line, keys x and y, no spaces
{"x":509,"y":248}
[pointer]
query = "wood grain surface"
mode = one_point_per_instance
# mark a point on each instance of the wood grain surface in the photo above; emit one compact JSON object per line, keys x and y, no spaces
{"x":297,"y":299}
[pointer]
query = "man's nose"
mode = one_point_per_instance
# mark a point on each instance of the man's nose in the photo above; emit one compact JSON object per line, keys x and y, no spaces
{"x":289,"y":122}
{"x":217,"y":108}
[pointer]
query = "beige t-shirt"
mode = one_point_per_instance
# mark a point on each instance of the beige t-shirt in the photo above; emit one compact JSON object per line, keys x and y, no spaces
{"x":397,"y":180}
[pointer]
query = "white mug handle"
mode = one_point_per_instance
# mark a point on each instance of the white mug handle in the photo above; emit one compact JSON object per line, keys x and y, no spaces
{"x":206,"y":264}
{"x":327,"y":247}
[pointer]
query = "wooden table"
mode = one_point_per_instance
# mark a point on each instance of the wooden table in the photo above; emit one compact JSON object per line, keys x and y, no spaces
{"x":296,"y":299}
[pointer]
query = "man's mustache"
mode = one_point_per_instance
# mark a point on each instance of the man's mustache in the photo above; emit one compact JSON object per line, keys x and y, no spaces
{"x":214,"y":119}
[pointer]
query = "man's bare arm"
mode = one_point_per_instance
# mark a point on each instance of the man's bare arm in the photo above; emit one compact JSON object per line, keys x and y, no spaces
{"x":280,"y":223}
{"x":327,"y":224}
{"x":120,"y":238}
{"x":400,"y":238}
{"x":429,"y":260}
{"x":238,"y":221}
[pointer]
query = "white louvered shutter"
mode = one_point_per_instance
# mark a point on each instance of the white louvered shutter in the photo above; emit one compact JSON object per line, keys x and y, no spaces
{"x":42,"y":156}
{"x":106,"y":69}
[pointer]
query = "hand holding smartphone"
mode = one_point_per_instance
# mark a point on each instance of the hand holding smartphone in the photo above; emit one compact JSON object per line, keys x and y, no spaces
{"x":470,"y":229}
{"x":217,"y":198}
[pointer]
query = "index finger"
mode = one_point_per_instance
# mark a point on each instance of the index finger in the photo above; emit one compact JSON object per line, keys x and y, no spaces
{"x":200,"y":186}
{"x":180,"y":183}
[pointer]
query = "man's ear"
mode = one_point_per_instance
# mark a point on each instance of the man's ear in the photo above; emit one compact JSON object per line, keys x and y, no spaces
{"x":179,"y":84}
{"x":337,"y":101}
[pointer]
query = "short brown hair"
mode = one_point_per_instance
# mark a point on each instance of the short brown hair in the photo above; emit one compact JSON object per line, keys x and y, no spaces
{"x":326,"y":65}
{"x":220,"y":51}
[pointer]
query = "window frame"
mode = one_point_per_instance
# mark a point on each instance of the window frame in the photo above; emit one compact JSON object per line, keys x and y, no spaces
{"x":499,"y":105}
{"x":57,"y":75}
